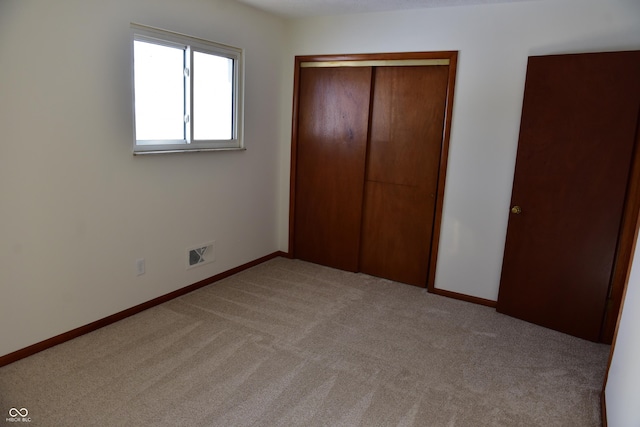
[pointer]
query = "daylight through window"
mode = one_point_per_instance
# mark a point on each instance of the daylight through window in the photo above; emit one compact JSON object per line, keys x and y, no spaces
{"x":187,"y":93}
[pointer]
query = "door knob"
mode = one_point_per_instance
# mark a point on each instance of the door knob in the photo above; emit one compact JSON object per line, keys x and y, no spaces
{"x":516,"y":210}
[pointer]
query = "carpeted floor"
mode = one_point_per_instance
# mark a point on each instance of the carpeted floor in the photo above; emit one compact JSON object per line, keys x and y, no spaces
{"x":288,"y":343}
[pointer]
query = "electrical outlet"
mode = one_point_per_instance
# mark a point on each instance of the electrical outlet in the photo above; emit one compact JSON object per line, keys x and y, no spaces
{"x":140,"y":268}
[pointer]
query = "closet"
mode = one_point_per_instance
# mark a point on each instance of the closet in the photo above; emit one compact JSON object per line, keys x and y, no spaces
{"x":369,"y":151}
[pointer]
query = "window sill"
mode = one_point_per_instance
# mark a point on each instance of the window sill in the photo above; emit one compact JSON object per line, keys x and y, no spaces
{"x":194,"y":150}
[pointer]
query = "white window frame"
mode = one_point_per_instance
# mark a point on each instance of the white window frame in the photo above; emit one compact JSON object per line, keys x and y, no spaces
{"x":191,"y":44}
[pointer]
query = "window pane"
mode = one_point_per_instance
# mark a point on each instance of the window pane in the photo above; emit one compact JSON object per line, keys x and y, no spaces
{"x":212,"y":97}
{"x":159,"y":91}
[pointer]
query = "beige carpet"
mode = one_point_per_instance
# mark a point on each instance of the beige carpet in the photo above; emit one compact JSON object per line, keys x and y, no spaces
{"x":289,"y":343}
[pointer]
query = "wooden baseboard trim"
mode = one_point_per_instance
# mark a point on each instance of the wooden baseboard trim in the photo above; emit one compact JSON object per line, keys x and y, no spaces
{"x":603,"y":409}
{"x":463,"y":297}
{"x":67,"y":336}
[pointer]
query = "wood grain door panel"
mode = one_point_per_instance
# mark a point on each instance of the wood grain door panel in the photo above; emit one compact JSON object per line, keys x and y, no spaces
{"x":407,"y":120}
{"x":332,"y":139}
{"x":406,"y":132}
{"x":397,"y":226}
{"x":575,"y":149}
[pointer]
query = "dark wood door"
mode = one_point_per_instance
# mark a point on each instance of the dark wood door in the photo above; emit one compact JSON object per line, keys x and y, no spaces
{"x":577,"y":138}
{"x":332,"y":131}
{"x":407,"y":120}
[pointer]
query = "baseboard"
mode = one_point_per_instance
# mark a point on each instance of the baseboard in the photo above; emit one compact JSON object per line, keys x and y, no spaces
{"x":59,"y":339}
{"x":463,"y":297}
{"x":603,"y":409}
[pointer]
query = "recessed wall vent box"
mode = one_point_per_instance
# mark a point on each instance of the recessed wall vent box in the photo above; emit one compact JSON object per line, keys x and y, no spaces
{"x":200,"y":255}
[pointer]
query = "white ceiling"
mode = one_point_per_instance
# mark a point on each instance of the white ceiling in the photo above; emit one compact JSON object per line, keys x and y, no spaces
{"x":301,"y":8}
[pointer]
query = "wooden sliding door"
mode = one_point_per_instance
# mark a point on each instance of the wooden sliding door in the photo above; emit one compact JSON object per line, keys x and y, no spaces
{"x":368,"y":161}
{"x":407,"y":120}
{"x":332,"y":142}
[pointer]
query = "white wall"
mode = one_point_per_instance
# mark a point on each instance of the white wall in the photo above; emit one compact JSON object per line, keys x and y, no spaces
{"x":76,"y":208}
{"x":494,"y":42}
{"x":623,"y":382}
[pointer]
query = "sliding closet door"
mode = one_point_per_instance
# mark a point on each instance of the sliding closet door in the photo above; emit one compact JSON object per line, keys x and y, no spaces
{"x":333,"y":106}
{"x":406,"y":134}
{"x":369,"y":155}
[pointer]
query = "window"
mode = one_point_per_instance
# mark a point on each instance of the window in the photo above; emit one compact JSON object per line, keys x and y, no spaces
{"x":187,"y":93}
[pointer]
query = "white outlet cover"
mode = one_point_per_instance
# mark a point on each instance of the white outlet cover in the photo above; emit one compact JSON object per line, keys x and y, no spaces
{"x":201,"y":254}
{"x":140,"y":268}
